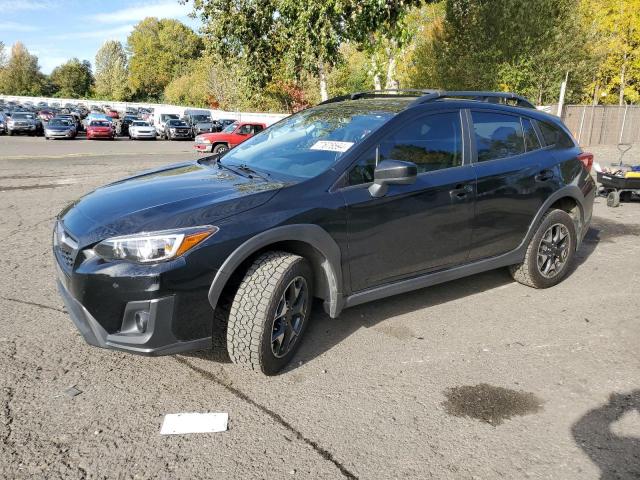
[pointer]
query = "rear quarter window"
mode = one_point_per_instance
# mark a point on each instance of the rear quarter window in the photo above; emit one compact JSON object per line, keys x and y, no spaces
{"x":554,"y":136}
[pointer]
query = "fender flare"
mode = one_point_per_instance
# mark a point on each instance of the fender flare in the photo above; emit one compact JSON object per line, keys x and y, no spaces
{"x":570,"y":191}
{"x":313,"y":235}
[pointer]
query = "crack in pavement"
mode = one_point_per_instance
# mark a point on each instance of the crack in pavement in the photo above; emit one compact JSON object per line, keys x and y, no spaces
{"x":33,"y":304}
{"x":274,"y":416}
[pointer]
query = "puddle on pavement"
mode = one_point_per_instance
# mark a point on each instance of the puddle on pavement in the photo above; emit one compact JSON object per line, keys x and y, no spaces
{"x":490,"y":404}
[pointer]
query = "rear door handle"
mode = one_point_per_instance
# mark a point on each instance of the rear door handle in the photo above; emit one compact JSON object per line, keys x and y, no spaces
{"x":544,"y":175}
{"x":461,"y":191}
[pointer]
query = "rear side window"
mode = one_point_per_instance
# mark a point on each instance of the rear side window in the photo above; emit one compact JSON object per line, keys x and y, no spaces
{"x":257,"y":128}
{"x":554,"y":136}
{"x":531,"y":140}
{"x":497,"y":135}
{"x":432,"y":142}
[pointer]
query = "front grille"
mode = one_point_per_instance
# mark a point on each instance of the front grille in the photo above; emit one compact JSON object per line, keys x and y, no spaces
{"x":66,"y":248}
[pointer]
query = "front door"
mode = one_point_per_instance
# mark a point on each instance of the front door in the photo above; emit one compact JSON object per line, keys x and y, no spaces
{"x":414,"y":228}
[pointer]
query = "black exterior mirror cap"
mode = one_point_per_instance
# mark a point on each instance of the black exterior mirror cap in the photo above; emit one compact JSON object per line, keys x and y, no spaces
{"x":392,"y":172}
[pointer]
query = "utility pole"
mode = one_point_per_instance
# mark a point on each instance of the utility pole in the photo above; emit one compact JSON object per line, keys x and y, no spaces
{"x":563,"y":89}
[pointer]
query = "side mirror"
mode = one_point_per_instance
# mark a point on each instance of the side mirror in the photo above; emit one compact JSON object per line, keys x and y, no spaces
{"x":392,"y":172}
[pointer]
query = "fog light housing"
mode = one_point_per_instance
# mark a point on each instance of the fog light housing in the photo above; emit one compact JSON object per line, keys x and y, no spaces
{"x":141,"y":318}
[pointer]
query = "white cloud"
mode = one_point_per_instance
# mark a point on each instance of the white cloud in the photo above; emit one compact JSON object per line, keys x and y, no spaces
{"x":21,"y":5}
{"x":163,"y":9}
{"x":16,"y":27}
{"x":115,"y":33}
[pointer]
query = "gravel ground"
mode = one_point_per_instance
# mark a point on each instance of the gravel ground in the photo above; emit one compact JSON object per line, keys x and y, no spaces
{"x":477,"y":378}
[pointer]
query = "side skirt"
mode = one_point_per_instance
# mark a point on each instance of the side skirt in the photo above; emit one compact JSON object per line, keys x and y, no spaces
{"x":434,"y":278}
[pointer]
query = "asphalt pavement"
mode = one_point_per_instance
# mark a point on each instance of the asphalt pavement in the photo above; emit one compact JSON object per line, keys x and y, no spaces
{"x":479,"y":378}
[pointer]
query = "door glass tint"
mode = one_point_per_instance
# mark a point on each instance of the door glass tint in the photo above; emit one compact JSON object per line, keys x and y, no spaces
{"x":530,"y":136}
{"x":497,"y":135}
{"x":432,"y":142}
{"x":554,"y":136}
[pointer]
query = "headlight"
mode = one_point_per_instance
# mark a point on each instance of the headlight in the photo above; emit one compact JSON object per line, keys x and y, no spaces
{"x":153,"y":246}
{"x":172,"y":130}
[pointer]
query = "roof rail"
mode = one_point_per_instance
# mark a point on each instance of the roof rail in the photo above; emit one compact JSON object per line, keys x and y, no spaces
{"x":428,"y":95}
{"x":380,"y":93}
{"x":477,"y":95}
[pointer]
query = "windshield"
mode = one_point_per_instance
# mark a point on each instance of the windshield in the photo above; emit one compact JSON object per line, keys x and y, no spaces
{"x":57,"y":122}
{"x":166,"y":116}
{"x":23,"y":116}
{"x":201,"y":118}
{"x":100,"y":124}
{"x":310,"y":142}
{"x":177,"y":123}
{"x":230,"y":128}
{"x":141,"y":124}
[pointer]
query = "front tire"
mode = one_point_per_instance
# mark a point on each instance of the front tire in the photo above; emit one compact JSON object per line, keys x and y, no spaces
{"x":220,"y":148}
{"x":270,"y":312}
{"x":549,"y":253}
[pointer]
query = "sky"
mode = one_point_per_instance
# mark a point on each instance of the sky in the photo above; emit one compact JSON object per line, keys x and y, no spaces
{"x":57,"y":30}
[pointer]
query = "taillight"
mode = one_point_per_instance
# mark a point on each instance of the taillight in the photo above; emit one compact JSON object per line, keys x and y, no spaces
{"x":587,"y":160}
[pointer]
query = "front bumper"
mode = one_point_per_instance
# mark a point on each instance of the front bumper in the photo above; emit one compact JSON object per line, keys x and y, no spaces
{"x":130,"y":313}
{"x":22,"y":128}
{"x":143,"y":134}
{"x":59,"y":133}
{"x":202,"y":147}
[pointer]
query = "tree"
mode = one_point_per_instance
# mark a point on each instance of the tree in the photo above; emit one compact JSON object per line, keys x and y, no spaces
{"x":111,"y":79}
{"x":72,"y":79}
{"x":616,"y":24}
{"x":160,"y":50}
{"x":527,"y":47}
{"x":21,"y":75}
{"x":307,"y":35}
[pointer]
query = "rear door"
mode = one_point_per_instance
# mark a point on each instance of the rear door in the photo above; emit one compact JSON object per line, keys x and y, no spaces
{"x":512,"y":180}
{"x":414,"y":228}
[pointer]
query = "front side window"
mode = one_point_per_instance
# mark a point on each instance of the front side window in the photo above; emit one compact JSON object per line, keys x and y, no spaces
{"x":498,"y":135}
{"x":432,"y":142}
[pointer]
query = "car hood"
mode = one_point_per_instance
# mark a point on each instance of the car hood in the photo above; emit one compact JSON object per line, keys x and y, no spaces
{"x":59,"y":128}
{"x":182,"y":195}
{"x":204,"y":124}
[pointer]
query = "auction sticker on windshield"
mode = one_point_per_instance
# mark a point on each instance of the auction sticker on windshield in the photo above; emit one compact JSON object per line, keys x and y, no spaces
{"x":332,"y":146}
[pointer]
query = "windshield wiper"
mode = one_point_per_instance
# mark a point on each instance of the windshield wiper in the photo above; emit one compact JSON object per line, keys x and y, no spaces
{"x":234,"y":170}
{"x":246,"y":168}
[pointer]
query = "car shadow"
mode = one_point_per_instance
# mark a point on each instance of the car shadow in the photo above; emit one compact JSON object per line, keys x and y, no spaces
{"x":324,"y":333}
{"x":617,"y":457}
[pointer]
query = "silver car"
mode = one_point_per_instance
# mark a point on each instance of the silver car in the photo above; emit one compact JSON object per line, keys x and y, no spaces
{"x":60,"y":128}
{"x":139,"y":129}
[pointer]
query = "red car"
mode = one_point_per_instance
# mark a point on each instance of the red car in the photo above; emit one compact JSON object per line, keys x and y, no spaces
{"x":45,"y":115}
{"x":100,"y":129}
{"x":113,"y":114}
{"x":232,"y":135}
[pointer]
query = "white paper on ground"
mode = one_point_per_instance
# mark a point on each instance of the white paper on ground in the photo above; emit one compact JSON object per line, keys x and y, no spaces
{"x":180,"y":423}
{"x":332,"y":146}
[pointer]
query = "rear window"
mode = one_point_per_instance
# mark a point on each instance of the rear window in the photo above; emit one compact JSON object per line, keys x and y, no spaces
{"x":554,"y":136}
{"x":497,"y":135}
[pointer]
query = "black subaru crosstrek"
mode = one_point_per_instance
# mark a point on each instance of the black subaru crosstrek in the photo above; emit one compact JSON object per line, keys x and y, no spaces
{"x":361,"y":197}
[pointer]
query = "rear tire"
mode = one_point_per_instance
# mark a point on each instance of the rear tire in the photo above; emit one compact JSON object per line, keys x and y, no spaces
{"x":270,"y":312}
{"x":549,"y":253}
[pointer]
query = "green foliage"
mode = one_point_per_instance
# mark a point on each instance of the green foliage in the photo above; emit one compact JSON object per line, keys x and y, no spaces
{"x":527,"y":47}
{"x":160,"y":50}
{"x":72,"y":79}
{"x":111,"y":80}
{"x":21,"y":74}
{"x":616,"y":26}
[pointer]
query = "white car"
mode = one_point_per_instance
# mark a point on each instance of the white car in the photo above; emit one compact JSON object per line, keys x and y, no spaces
{"x":140,"y":129}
